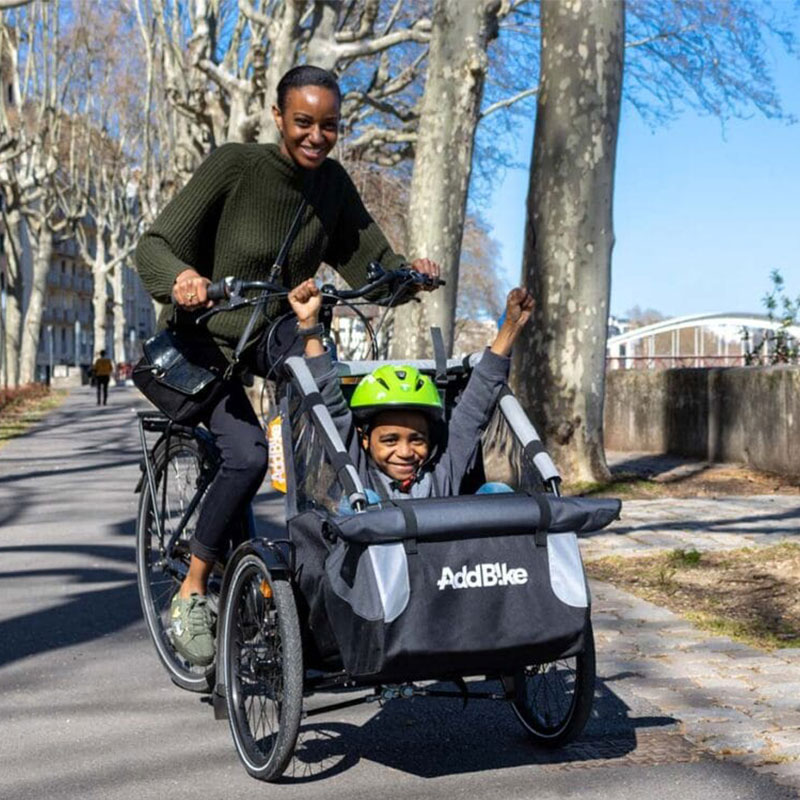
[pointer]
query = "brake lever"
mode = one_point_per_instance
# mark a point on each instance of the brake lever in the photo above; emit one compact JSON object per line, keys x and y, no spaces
{"x":210,"y":313}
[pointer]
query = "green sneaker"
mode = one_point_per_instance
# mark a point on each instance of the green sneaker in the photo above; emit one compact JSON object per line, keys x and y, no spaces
{"x":191,"y":626}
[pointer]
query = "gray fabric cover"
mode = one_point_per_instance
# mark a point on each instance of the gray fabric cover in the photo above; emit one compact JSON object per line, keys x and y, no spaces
{"x":475,"y":515}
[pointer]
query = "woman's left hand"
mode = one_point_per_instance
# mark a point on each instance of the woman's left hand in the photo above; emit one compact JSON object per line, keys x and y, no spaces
{"x":426,"y":267}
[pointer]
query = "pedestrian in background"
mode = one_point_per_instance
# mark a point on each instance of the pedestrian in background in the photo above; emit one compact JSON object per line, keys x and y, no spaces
{"x":102,"y":370}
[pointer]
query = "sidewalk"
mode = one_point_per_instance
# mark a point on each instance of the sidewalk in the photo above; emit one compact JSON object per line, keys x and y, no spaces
{"x":730,"y":699}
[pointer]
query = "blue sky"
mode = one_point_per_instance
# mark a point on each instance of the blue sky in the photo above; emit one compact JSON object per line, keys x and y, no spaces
{"x":701,"y":214}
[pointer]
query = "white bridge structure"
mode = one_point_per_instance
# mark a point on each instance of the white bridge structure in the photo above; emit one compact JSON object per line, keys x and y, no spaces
{"x":695,"y":340}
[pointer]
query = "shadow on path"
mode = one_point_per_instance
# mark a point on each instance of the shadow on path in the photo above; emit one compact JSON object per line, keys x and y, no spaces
{"x":434,"y":737}
{"x":81,"y":617}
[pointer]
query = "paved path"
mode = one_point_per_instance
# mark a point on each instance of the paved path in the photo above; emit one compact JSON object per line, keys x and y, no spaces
{"x":87,"y":711}
{"x":703,"y":523}
{"x":735,"y":701}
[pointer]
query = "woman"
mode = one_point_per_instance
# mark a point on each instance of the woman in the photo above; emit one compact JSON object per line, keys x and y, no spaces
{"x":231,"y":219}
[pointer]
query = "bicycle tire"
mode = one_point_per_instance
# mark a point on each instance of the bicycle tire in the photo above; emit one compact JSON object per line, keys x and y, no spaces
{"x":262,"y":664}
{"x":553,"y":700}
{"x":158,"y":580}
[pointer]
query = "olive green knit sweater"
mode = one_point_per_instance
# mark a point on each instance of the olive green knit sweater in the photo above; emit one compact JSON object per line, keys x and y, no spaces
{"x":233,"y":216}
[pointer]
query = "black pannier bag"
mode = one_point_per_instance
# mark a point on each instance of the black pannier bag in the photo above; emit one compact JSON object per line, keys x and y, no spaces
{"x":480,"y":584}
{"x":182,"y":390}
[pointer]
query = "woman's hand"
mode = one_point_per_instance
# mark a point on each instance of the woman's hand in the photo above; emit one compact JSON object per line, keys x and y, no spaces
{"x":306,"y":300}
{"x":189,"y":291}
{"x":426,"y":267}
{"x":519,"y":305}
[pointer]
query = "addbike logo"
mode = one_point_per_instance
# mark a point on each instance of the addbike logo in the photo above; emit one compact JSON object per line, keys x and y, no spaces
{"x":482,"y":576}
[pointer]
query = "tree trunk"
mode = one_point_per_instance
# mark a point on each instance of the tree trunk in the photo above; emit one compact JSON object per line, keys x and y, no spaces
{"x":32,"y":326}
{"x":99,"y":294}
{"x":569,"y":234}
{"x":284,"y":39}
{"x":120,"y":323}
{"x":457,"y":67}
{"x":14,"y":298}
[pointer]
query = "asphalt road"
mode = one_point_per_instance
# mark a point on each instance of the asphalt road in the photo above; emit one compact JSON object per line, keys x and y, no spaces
{"x":86,"y":710}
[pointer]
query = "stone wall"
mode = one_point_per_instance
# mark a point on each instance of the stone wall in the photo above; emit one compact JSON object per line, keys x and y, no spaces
{"x":745,"y":414}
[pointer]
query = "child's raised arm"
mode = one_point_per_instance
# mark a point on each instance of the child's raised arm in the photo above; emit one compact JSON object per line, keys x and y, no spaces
{"x":306,"y":300}
{"x":519,"y":305}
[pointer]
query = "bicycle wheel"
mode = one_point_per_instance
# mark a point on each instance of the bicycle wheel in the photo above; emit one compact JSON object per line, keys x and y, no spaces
{"x":554,"y":700}
{"x":262,"y":663}
{"x":177,"y":473}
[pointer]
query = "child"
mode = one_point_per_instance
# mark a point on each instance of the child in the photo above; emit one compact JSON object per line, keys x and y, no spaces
{"x":394,"y":429}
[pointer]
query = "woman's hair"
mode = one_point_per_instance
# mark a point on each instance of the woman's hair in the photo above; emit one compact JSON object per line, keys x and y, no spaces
{"x":306,"y":75}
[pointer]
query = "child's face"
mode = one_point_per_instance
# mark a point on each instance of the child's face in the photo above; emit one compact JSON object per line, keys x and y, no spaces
{"x":398,"y":443}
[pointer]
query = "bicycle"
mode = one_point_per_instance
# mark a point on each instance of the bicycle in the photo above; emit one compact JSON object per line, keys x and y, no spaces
{"x":268,"y":657}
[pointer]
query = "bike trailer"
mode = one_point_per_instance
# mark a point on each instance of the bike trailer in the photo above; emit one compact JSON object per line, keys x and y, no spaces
{"x":434,"y":587}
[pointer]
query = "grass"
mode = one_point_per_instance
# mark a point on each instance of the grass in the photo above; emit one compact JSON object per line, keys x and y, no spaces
{"x":751,"y":595}
{"x":687,"y":480}
{"x":621,"y":485}
{"x":21,"y":408}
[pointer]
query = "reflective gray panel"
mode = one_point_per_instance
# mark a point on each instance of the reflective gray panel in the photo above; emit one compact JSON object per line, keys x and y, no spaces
{"x":363,"y":596}
{"x":566,"y":569}
{"x":391,"y":575}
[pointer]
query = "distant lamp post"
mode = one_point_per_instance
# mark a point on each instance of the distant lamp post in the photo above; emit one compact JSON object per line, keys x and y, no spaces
{"x":77,"y":343}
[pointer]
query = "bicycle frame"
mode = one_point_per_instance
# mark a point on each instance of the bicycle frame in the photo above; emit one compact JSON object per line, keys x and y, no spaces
{"x":156,"y":422}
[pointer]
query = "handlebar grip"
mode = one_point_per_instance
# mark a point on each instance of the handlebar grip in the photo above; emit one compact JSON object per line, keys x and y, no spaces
{"x":218,"y":290}
{"x":423,"y":279}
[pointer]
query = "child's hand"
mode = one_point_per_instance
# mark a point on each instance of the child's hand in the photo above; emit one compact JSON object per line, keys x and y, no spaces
{"x":519,"y":305}
{"x":306,"y":300}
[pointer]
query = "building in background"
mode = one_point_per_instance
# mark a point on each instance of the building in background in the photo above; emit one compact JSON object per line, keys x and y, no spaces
{"x":67,"y":333}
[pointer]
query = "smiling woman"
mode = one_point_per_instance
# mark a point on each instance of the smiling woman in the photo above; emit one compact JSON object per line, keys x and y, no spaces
{"x":233,"y":218}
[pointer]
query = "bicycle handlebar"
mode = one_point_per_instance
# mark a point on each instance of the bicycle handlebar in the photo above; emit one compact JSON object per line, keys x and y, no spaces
{"x":376,"y":277}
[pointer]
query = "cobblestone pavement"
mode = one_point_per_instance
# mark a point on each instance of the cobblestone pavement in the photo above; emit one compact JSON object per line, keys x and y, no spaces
{"x":730,"y":699}
{"x":721,"y":523}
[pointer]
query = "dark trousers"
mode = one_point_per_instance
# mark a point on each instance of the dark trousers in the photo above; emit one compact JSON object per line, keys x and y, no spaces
{"x":243,"y":448}
{"x":102,"y":388}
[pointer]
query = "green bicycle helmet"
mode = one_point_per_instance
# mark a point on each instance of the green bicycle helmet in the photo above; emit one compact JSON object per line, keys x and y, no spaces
{"x":392,"y":387}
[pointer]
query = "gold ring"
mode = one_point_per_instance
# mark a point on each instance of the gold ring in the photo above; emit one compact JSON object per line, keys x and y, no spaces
{"x":191,"y":296}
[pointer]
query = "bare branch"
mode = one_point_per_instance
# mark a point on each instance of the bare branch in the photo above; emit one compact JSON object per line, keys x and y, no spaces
{"x":230,"y":83}
{"x":406,"y":115}
{"x":419,"y":32}
{"x":373,"y":136}
{"x":508,"y":101}
{"x":366,"y":24}
{"x":661,"y":35}
{"x":258,"y":17}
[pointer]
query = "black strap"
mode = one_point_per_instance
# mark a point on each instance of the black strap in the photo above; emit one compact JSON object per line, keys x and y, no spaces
{"x":275,"y":276}
{"x":532,"y":449}
{"x":410,"y":519}
{"x":277,"y":268}
{"x":313,"y":399}
{"x":440,"y":356}
{"x":349,"y":568}
{"x":545,"y":518}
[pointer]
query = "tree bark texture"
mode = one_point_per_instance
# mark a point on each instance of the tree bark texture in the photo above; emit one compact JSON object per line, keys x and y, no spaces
{"x":569,"y":233}
{"x":14,"y":297}
{"x":32,"y":326}
{"x":100,"y":293}
{"x":457,"y":66}
{"x":120,"y":323}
